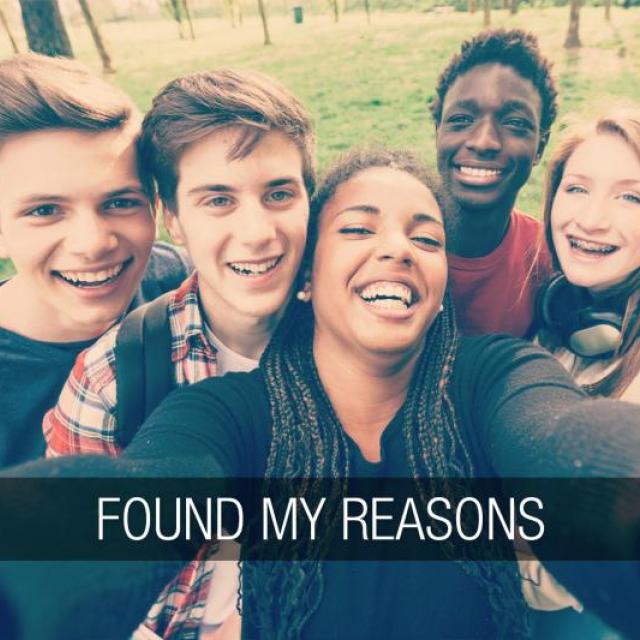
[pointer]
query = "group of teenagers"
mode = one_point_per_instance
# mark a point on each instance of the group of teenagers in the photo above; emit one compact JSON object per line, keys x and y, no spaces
{"x":387,"y":322}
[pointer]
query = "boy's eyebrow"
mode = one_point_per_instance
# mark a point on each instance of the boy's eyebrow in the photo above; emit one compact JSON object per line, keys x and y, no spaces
{"x":469,"y":104}
{"x":517,"y":105}
{"x":207,"y":188}
{"x":279,"y":182}
{"x":225,"y":188}
{"x":51,"y":197}
{"x":124,"y":191}
{"x":367,"y":208}
{"x":42,"y":197}
{"x":511,"y":105}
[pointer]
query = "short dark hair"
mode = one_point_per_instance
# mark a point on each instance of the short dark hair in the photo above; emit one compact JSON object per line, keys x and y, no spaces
{"x":191,"y":107}
{"x":40,"y":92}
{"x":513,"y":48}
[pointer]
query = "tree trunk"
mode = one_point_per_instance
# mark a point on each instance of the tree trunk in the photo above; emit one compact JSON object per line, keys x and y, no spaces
{"x":44,"y":28}
{"x":607,"y":10}
{"x":505,"y":4}
{"x":177,"y":16}
{"x":229,"y":5}
{"x":513,"y":7}
{"x":97,"y":38}
{"x":573,"y":35}
{"x":472,"y":5}
{"x":367,"y":8}
{"x":265,"y":26}
{"x":187,"y":13}
{"x":486,"y":13}
{"x":336,"y":10}
{"x":7,"y":28}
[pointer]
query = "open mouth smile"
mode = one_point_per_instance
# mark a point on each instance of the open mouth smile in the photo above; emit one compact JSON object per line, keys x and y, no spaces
{"x":590,"y":247}
{"x":93,"y":279}
{"x":388,"y":295}
{"x":478,"y":175}
{"x":254,"y":269}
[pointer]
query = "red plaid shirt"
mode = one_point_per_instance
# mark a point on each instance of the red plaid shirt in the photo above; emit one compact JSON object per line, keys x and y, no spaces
{"x":84,"y":422}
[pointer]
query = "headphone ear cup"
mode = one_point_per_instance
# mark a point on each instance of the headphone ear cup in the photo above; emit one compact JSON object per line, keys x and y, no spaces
{"x":599,"y":335}
{"x":567,"y":312}
{"x":546,"y":301}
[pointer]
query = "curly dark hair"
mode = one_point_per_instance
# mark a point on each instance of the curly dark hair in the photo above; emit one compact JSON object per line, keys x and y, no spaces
{"x":514,"y":48}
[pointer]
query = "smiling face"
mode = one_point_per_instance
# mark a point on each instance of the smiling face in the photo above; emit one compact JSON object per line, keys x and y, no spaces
{"x":379,"y":270}
{"x":595,"y":217}
{"x":244,"y":223}
{"x":488,"y":138}
{"x":77,"y":225}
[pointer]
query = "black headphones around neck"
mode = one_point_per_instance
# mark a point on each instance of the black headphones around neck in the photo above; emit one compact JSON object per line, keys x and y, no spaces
{"x":570,"y":313}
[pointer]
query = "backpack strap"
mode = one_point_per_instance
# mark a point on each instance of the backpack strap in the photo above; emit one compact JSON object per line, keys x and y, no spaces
{"x":159,"y":378}
{"x":144,"y":370}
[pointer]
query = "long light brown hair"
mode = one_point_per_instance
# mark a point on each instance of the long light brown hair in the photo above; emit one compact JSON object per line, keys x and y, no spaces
{"x":623,"y":122}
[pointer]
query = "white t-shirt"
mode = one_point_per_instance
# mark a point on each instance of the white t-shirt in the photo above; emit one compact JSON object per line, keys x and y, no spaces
{"x":228,"y":360}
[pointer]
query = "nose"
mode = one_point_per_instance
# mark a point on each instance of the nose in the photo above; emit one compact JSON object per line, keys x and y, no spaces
{"x":485,"y":137}
{"x":593,"y":215}
{"x":257,"y":227}
{"x":395,"y":247}
{"x":91,"y":236}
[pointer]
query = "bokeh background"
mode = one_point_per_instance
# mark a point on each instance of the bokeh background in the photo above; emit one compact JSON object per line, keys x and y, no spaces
{"x":366,"y":69}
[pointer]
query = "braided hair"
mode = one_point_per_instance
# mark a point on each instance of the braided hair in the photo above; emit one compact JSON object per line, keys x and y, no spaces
{"x":308,"y":441}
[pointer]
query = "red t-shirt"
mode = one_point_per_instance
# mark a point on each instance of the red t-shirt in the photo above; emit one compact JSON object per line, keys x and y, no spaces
{"x":496,"y":293}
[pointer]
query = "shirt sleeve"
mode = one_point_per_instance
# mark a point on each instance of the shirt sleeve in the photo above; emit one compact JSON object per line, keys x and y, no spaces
{"x":531,"y":420}
{"x":84,"y":418}
{"x":526,"y":415}
{"x":225,"y":419}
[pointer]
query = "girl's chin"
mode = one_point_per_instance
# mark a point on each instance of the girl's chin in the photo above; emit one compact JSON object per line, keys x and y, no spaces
{"x":594,"y":285}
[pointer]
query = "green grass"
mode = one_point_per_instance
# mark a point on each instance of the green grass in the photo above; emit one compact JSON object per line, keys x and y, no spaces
{"x":372,"y":82}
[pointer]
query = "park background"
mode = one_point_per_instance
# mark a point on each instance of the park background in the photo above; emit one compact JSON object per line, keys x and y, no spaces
{"x":366,"y":69}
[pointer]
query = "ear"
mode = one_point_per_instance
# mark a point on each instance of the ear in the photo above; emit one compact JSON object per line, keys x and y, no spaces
{"x":302,"y":286}
{"x":541,"y":147}
{"x":157,"y":205}
{"x":304,"y":278}
{"x":172,"y":225}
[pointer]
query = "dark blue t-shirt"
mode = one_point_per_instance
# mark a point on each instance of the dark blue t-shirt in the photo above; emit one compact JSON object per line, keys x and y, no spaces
{"x":32,"y":372}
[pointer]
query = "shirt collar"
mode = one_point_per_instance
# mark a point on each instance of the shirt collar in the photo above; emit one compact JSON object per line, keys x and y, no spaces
{"x":187,"y":323}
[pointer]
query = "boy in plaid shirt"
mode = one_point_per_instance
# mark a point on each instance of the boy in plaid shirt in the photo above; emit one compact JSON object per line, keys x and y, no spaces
{"x":231,"y":153}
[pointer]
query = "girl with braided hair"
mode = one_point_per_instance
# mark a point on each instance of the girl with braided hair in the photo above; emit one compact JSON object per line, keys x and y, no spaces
{"x":367,"y":378}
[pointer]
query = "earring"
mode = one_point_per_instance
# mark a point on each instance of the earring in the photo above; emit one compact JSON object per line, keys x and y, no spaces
{"x":305,"y":294}
{"x":441,"y":309}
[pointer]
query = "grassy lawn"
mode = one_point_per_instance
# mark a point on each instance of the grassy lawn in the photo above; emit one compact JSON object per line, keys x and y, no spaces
{"x":372,"y":82}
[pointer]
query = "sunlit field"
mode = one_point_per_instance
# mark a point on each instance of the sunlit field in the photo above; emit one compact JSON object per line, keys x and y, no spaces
{"x":372,"y":82}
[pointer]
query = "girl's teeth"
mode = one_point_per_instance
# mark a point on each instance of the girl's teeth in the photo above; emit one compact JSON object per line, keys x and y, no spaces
{"x":399,"y":296}
{"x":388,"y":303}
{"x":591,"y":247}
